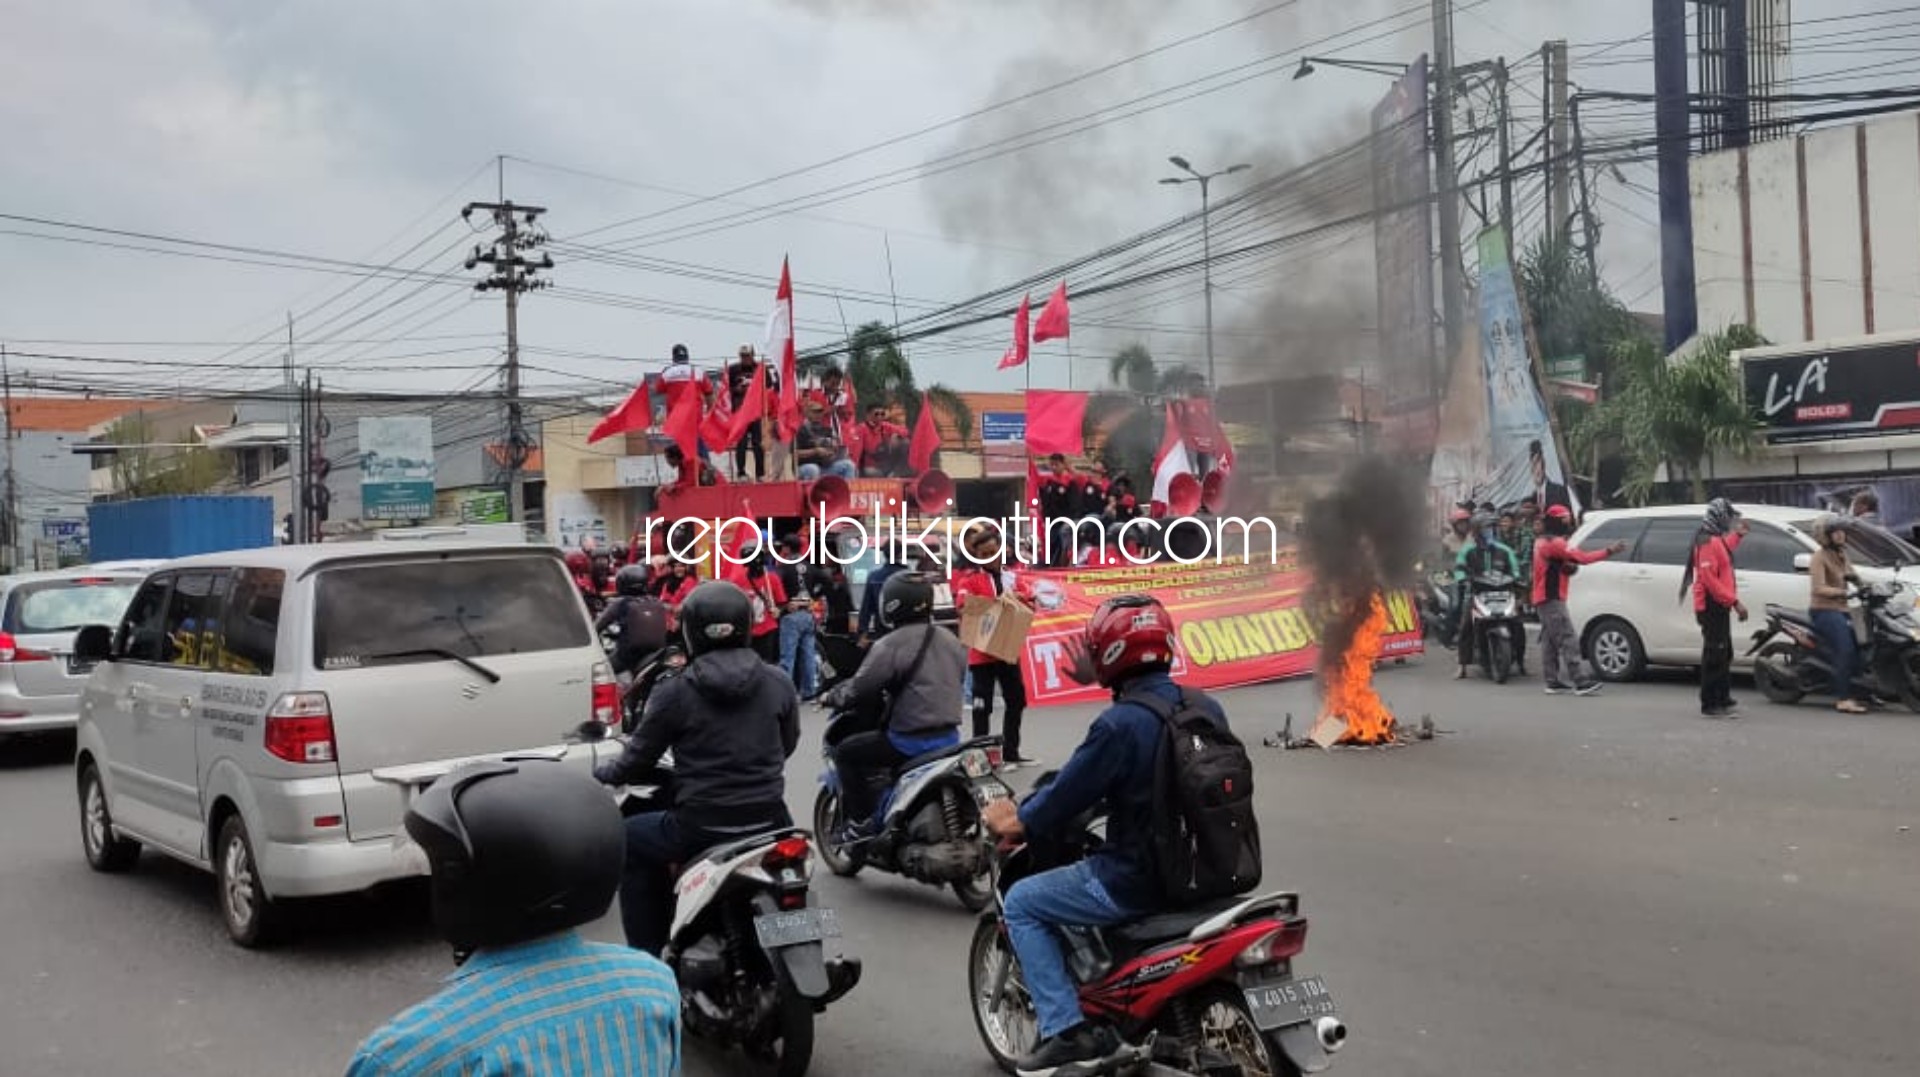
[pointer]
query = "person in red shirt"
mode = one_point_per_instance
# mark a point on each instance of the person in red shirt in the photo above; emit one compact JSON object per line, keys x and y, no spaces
{"x":1716,"y":599}
{"x":688,"y":472}
{"x":769,"y":597}
{"x":836,"y":402}
{"x":675,"y":583}
{"x":1554,"y":563}
{"x":881,"y":447}
{"x":987,"y":581}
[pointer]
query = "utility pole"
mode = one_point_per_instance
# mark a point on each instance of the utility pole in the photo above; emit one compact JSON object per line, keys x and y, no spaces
{"x":1505,"y":149}
{"x":13,"y":492}
{"x":296,"y":530}
{"x":1559,"y":189}
{"x":513,"y":274}
{"x":1673,"y":126}
{"x":1590,"y":235}
{"x":1205,"y":180}
{"x":1452,"y":286}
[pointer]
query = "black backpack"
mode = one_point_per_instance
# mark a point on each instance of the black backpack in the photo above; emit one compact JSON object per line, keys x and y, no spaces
{"x":1206,"y":841}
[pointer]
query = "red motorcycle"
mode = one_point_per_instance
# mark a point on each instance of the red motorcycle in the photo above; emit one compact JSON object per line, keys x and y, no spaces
{"x":1208,"y":990}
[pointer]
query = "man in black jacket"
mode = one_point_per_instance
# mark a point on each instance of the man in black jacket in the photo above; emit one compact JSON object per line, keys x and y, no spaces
{"x":731,"y":722}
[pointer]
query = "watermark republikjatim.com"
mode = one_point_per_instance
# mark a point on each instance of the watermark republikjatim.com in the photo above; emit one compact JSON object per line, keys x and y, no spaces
{"x":1032,"y":541}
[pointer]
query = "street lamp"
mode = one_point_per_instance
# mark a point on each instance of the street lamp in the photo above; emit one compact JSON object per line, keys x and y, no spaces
{"x":1376,"y":67}
{"x":1204,"y":179}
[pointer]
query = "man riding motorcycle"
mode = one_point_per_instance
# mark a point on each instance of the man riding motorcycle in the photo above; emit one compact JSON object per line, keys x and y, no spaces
{"x":641,"y":618}
{"x":906,"y":686}
{"x":522,"y":853}
{"x":1129,"y":648}
{"x":731,"y":721}
{"x":1483,"y":553}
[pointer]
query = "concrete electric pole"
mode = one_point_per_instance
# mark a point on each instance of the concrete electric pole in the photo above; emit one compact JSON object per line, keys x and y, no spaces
{"x":512,"y":274}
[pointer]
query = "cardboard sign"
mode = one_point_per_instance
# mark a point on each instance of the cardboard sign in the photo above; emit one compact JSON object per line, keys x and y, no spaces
{"x":998,"y":626}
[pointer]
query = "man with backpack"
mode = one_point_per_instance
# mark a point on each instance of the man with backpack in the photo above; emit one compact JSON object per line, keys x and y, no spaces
{"x":1178,"y":790}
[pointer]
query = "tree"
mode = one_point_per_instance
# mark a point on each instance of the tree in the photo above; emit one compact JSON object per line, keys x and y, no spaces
{"x":1675,"y":412}
{"x":141,"y":471}
{"x":881,"y":374}
{"x":1573,"y":312}
{"x":1131,"y":412}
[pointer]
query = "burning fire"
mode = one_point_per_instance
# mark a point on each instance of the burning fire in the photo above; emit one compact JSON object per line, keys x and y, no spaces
{"x":1347,"y":685}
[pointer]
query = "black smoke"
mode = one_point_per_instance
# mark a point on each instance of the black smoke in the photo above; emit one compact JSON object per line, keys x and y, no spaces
{"x":1357,"y":541}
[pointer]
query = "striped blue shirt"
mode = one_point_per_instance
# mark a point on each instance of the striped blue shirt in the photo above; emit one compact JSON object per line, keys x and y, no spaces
{"x":555,"y":1007}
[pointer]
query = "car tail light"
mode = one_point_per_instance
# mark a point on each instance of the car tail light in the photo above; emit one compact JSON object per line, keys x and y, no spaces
{"x":299,"y":728}
{"x":606,"y":695}
{"x":11,"y":651}
{"x":1278,"y":946}
{"x":792,"y":850}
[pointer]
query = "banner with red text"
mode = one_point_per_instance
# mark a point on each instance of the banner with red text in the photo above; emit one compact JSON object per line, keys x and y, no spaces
{"x":1238,"y":623}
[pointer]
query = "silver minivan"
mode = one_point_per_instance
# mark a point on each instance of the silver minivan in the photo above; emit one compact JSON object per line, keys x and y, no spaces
{"x":40,"y":613}
{"x":267,"y":714}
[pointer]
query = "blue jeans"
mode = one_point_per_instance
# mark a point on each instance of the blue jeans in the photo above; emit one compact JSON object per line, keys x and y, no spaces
{"x":797,"y":655}
{"x":966,"y":688}
{"x":842,"y":468}
{"x":1836,"y":637}
{"x":1069,"y":895}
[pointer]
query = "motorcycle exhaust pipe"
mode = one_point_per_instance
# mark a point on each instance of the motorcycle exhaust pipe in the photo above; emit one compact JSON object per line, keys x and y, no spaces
{"x":1332,"y":1033}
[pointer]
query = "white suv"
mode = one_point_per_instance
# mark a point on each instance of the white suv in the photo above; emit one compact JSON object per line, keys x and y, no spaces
{"x":266,"y":714}
{"x":1629,"y":610}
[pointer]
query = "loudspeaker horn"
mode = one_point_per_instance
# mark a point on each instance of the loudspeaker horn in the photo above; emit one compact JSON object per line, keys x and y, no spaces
{"x":931,"y":491}
{"x":830,"y":494}
{"x":1213,"y":492}
{"x":1183,"y":495}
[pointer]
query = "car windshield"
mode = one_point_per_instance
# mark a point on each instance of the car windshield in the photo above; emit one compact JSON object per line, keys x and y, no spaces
{"x":411,"y":610}
{"x":68,"y":605}
{"x":1874,"y":546}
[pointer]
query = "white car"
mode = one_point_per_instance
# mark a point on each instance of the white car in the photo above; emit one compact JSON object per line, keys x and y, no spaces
{"x":267,"y":714}
{"x":1629,"y":610}
{"x":40,"y":612}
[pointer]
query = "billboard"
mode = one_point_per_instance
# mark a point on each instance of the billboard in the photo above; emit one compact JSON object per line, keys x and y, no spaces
{"x":1003,"y":444}
{"x":396,"y":468}
{"x":1403,"y":259}
{"x":1816,"y":393}
{"x":1525,"y":459}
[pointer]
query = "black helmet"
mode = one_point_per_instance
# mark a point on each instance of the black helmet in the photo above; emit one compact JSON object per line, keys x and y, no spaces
{"x":631,"y":581}
{"x":906,"y":599}
{"x":717,"y":615}
{"x":518,"y":850}
{"x":680,"y":353}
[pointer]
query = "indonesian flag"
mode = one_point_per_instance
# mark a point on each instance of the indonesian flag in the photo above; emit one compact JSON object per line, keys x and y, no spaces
{"x":1170,"y":461}
{"x":1017,"y":355}
{"x":716,"y":426}
{"x":926,"y":438}
{"x":1053,"y":318}
{"x":780,"y":342}
{"x":634,"y":413}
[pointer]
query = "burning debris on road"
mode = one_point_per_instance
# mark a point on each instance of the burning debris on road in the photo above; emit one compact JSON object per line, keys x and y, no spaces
{"x":1358,"y":542}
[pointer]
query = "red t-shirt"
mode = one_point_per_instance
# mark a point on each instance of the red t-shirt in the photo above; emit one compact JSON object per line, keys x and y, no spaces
{"x":1551,"y":556}
{"x":768,"y":595}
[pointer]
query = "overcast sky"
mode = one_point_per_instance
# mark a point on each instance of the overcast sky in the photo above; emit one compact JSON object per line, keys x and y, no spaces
{"x":356,"y":130}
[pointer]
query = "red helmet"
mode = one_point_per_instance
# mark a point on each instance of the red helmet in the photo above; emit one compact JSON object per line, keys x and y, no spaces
{"x":1560,"y":513}
{"x":1127,"y":634}
{"x":1459,"y":515}
{"x":579,"y":562}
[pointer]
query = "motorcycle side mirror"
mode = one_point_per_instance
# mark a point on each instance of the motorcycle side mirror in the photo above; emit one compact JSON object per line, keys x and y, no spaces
{"x":1803,"y":562}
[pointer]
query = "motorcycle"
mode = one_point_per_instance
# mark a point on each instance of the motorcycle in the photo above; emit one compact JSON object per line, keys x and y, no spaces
{"x":1208,"y":990}
{"x":1494,"y":612}
{"x":653,"y":670}
{"x":747,"y":944}
{"x":930,"y":827}
{"x":1436,"y":608}
{"x":1793,"y":661}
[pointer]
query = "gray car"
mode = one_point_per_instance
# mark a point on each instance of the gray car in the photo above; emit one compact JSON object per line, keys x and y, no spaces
{"x":40,"y":612}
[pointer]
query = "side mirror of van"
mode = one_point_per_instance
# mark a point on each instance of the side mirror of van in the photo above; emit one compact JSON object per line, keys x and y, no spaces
{"x":1803,"y":562}
{"x":93,"y":645}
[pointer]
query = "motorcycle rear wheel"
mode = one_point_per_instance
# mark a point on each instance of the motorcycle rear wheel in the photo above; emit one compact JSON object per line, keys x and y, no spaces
{"x":1008,"y":1025}
{"x":1907,"y":681}
{"x":1499,"y":659}
{"x":794,"y":1022}
{"x":1227,"y":1027}
{"x":1777,"y":684}
{"x":827,"y":821}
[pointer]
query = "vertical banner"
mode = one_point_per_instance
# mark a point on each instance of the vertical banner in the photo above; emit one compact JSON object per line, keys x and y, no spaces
{"x":396,"y":468}
{"x":1403,"y":262}
{"x":1526,"y":462}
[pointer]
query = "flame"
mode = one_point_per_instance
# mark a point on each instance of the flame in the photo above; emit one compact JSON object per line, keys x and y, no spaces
{"x":1347,"y":683}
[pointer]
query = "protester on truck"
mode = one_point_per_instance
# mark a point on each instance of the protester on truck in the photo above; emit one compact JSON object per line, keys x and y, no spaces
{"x":817,"y":449}
{"x":835,"y":398}
{"x":1060,"y":504}
{"x":680,"y":378}
{"x":740,"y":376}
{"x":704,"y":474}
{"x":881,"y":447}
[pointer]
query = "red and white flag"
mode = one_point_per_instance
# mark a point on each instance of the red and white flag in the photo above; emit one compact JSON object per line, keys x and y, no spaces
{"x":780,"y":343}
{"x":1017,"y":355}
{"x":1053,"y":323}
{"x":1170,"y":461}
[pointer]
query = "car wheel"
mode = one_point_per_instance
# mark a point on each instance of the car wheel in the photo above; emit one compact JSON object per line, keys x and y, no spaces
{"x":251,"y":916}
{"x":106,"y":851}
{"x":1615,"y":652}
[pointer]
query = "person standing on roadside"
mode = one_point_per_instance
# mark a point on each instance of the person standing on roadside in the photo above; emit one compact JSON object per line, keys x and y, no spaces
{"x":1829,"y":576}
{"x":985,"y":574}
{"x":1554,"y":563}
{"x":1716,"y":601}
{"x":797,"y":624}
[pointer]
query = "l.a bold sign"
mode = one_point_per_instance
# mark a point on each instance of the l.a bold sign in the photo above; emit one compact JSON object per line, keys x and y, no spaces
{"x":1835,"y":393}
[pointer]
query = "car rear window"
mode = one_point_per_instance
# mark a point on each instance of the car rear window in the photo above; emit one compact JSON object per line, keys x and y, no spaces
{"x":68,"y":605}
{"x":471,"y":606}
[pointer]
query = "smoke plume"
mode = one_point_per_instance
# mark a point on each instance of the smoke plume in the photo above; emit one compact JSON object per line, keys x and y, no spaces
{"x":1357,"y":541}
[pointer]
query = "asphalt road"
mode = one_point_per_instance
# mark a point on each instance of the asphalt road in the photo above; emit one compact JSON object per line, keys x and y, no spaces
{"x":1557,"y":886}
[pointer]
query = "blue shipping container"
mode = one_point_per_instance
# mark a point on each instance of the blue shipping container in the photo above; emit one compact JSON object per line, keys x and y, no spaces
{"x":164,"y":527}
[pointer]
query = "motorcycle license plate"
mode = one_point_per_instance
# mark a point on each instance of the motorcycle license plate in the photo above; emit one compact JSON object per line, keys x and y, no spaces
{"x":1291,"y":1002}
{"x":988,"y":790}
{"x":779,"y":929}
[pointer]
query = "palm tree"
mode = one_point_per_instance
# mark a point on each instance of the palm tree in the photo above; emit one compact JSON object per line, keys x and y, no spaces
{"x":1131,"y":412}
{"x":1675,"y":411}
{"x":1132,"y":368}
{"x":881,"y":374}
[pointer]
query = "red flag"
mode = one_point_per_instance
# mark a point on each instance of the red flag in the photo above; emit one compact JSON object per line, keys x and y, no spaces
{"x":926,"y":438}
{"x":1017,"y":355}
{"x":1056,"y":422}
{"x":1033,"y":491}
{"x":683,"y":425}
{"x":780,"y":337}
{"x":634,"y":413}
{"x":1053,"y":319}
{"x":714,"y":427}
{"x":753,"y":407}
